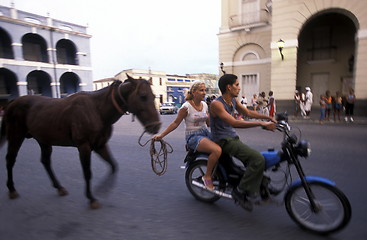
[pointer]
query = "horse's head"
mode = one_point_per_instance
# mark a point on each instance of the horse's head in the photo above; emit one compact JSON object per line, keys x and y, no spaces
{"x":140,"y":101}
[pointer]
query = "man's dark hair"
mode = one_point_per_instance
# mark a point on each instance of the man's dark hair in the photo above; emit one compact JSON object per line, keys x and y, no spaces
{"x":226,"y":79}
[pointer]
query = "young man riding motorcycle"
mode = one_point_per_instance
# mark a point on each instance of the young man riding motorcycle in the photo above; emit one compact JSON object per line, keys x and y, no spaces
{"x":222,"y":124}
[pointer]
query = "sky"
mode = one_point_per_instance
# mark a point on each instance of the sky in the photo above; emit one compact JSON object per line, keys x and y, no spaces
{"x":173,"y":36}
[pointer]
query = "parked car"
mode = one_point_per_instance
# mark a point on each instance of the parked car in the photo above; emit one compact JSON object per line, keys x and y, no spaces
{"x":168,"y":107}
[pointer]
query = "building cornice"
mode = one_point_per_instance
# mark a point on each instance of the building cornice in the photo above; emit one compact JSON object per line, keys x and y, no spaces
{"x":40,"y":65}
{"x":42,"y":26}
{"x":248,"y":62}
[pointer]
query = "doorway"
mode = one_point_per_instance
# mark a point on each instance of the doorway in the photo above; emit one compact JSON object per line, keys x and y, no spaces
{"x":250,"y":85}
{"x":319,"y":85}
{"x":326,"y":44}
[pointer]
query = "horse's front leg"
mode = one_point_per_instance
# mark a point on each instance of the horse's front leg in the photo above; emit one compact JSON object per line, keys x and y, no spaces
{"x":46,"y":151}
{"x":85,"y":159}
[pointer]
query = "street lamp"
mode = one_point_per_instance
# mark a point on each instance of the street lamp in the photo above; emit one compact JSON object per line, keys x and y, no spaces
{"x":281,"y":46}
{"x":221,"y":67}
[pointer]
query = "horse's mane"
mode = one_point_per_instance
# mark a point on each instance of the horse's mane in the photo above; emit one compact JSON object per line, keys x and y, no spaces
{"x":115,"y":82}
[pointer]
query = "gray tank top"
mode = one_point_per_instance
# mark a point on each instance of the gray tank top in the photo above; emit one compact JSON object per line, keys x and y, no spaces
{"x":219,"y":128}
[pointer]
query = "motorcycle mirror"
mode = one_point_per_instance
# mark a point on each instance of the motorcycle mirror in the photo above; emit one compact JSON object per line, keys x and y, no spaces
{"x":283,"y":116}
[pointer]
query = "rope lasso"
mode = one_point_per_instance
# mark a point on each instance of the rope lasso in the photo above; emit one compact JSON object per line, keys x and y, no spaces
{"x":159,"y":166}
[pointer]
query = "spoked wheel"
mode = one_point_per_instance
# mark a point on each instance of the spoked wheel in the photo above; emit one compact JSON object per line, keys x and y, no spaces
{"x":332,"y":212}
{"x":194,"y":183}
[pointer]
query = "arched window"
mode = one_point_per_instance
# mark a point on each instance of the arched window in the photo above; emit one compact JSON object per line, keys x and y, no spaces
{"x":250,"y":56}
{"x":6,"y":50}
{"x":69,"y":84}
{"x":39,"y":83}
{"x":8,"y":85}
{"x":66,"y":52}
{"x":34,"y":48}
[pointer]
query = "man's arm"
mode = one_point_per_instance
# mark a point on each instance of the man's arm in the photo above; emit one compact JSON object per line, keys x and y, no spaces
{"x":217,"y":110}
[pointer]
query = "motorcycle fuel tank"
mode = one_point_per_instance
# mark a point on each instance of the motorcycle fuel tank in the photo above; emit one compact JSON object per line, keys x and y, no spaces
{"x":272,"y":157}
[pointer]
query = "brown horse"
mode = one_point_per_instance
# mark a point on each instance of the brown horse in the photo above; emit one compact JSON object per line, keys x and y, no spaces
{"x":83,"y":120}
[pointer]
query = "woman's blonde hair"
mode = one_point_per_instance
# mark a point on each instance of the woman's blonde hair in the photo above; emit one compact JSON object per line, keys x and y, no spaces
{"x":195,"y":85}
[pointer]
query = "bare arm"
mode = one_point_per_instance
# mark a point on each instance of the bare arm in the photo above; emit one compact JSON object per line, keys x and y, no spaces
{"x":182,"y":113}
{"x":218,"y":110}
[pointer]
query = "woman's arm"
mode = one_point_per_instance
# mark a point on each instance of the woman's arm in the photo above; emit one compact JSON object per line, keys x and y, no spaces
{"x":182,"y":113}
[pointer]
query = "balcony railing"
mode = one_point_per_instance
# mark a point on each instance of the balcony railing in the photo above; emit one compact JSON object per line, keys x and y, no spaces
{"x":250,"y":19}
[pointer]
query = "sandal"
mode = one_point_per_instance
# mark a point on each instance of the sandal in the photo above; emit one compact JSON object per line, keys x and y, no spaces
{"x":208,"y":184}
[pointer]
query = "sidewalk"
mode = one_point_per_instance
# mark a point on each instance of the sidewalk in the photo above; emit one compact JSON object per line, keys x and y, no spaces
{"x":315,"y":116}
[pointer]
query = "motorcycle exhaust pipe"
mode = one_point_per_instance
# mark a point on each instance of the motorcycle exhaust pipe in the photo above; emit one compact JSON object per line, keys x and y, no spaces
{"x":216,"y":192}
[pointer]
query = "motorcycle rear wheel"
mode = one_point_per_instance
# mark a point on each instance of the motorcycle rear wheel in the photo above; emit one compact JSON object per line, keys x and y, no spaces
{"x":334,"y":210}
{"x":194,"y":173}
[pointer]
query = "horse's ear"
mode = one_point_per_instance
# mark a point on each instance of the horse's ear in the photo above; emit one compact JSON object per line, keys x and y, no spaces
{"x":129,"y":77}
{"x":116,"y":82}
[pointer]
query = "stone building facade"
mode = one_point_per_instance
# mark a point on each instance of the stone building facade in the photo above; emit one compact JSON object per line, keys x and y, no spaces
{"x":325,"y":47}
{"x":42,"y":56}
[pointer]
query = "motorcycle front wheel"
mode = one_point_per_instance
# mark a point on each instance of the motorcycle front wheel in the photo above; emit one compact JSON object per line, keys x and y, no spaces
{"x":194,"y":183}
{"x":333,"y":211}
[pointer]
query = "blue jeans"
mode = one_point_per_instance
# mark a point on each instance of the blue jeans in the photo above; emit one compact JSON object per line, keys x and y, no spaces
{"x":193,"y":138}
{"x":322,"y":114}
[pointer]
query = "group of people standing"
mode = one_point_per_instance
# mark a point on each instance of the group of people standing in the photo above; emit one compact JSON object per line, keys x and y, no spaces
{"x":303,"y":103}
{"x":261,"y":103}
{"x":336,"y":104}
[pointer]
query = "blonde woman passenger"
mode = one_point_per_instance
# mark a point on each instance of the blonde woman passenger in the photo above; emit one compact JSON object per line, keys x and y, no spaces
{"x":196,"y":115}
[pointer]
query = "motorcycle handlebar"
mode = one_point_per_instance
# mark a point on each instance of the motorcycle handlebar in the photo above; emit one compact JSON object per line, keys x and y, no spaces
{"x":283,"y":126}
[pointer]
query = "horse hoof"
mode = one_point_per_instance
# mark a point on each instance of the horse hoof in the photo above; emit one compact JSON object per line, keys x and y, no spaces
{"x":63,"y":192}
{"x":13,"y":195}
{"x":95,"y":205}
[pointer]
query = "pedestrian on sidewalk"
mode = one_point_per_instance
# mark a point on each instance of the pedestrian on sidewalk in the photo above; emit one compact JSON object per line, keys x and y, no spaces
{"x":323,"y":107}
{"x":297,"y":102}
{"x":329,"y":104}
{"x":349,"y":106}
{"x":271,"y":104}
{"x":308,"y":102}
{"x":338,"y":105}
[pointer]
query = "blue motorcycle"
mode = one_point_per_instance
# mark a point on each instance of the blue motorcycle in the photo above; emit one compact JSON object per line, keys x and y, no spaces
{"x":314,"y":203}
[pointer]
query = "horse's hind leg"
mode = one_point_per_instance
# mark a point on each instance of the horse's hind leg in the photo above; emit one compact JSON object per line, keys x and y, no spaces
{"x":85,"y":159}
{"x":109,"y":180}
{"x":105,"y":154}
{"x":14,"y":144}
{"x":46,"y":152}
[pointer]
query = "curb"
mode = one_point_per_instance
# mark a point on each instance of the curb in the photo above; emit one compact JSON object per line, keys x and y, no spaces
{"x":357,"y":121}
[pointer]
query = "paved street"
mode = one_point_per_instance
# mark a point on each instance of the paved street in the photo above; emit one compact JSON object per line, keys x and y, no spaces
{"x":142,"y":205}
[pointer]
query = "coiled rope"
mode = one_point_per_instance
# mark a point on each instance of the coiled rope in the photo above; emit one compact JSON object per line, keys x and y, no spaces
{"x":158,"y":158}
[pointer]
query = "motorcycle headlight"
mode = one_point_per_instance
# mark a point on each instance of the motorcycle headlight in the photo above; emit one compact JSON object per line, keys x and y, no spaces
{"x":303,"y":148}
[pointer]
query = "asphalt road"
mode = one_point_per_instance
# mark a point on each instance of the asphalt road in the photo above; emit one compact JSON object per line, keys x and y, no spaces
{"x":142,"y":205}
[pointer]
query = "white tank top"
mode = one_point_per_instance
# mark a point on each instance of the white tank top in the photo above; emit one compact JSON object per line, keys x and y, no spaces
{"x":195,"y":120}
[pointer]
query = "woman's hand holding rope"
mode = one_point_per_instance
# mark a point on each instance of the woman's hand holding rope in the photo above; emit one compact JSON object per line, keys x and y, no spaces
{"x":159,"y":166}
